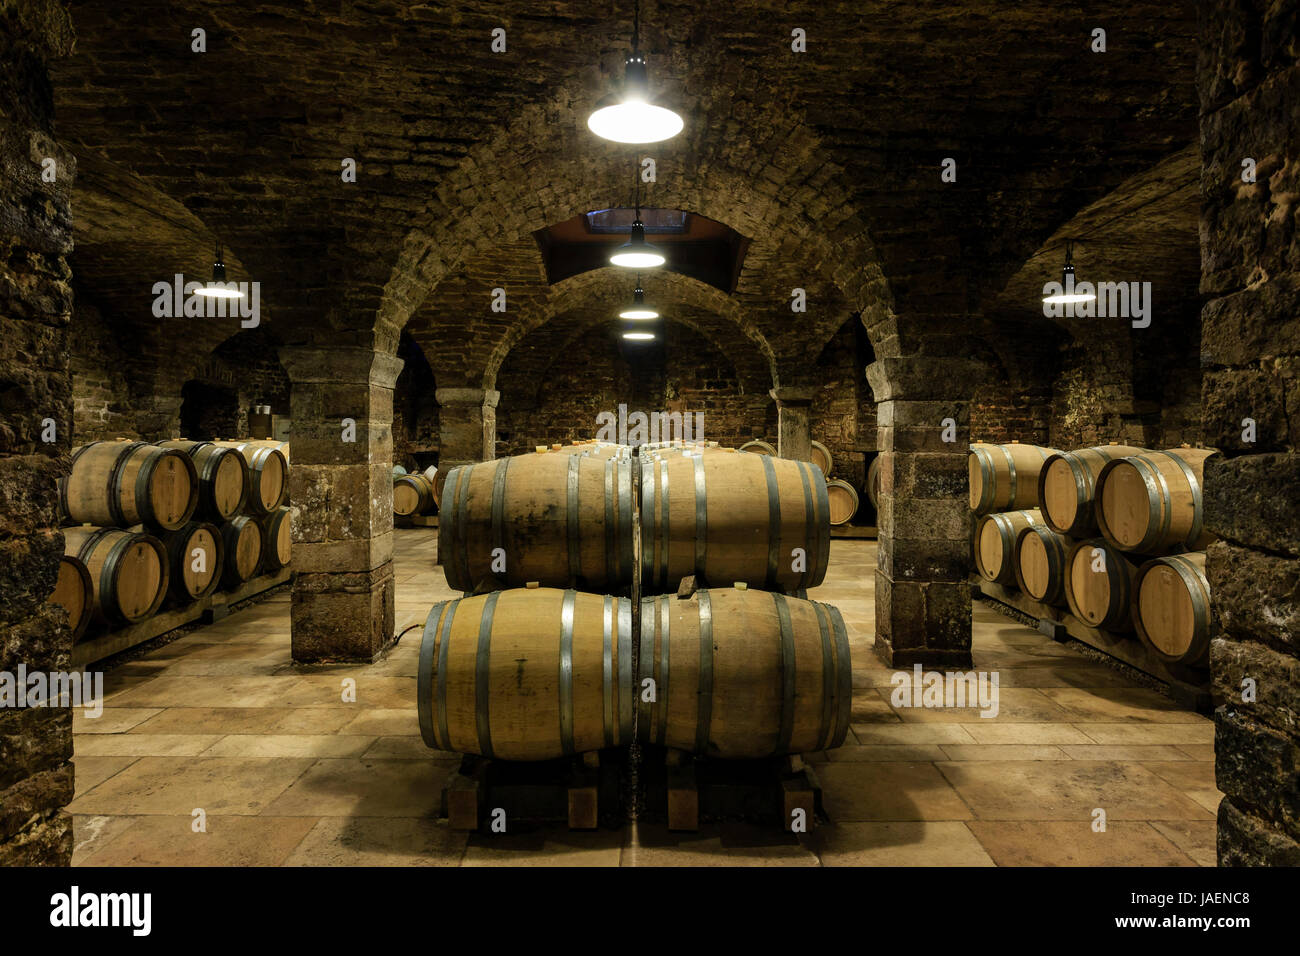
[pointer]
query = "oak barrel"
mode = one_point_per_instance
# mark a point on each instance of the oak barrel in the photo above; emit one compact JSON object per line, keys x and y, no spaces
{"x":733,"y":518}
{"x":268,"y":470}
{"x":741,"y":674}
{"x":125,"y":483}
{"x":1171,"y":608}
{"x":195,"y":554}
{"x":1067,"y":487}
{"x":843,"y":498}
{"x":526,"y":674}
{"x":75,"y":593}
{"x":1004,"y":477}
{"x":556,"y":520}
{"x":398,"y":471}
{"x":995,"y":543}
{"x":128,"y":571}
{"x":223,"y":478}
{"x":1040,"y":563}
{"x":1152,"y":503}
{"x":821,"y":457}
{"x":758,"y":447}
{"x":413,"y":495}
{"x":873,"y":482}
{"x":243,"y":542}
{"x":1099,"y":585}
{"x":277,"y":539}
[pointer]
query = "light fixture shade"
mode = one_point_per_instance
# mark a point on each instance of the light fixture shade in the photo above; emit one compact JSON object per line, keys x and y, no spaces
{"x":636,"y":253}
{"x":635,"y":119}
{"x":217,"y":288}
{"x":639,"y":336}
{"x":638,"y":310}
{"x":1067,"y":295}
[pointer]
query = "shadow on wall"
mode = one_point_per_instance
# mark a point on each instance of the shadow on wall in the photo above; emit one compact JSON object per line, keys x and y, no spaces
{"x":208,"y":411}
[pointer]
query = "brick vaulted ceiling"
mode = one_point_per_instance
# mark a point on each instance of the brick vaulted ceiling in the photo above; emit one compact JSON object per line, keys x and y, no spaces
{"x":828,"y":162}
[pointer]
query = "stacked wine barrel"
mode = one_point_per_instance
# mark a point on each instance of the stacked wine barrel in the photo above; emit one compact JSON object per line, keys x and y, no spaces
{"x":571,"y":559}
{"x":167,"y":524}
{"x":843,"y":496}
{"x":1115,"y":533}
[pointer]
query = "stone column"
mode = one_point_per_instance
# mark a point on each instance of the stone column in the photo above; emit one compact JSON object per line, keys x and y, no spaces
{"x":467,"y":426}
{"x":35,"y":310}
{"x":341,"y":491}
{"x":793,"y":422}
{"x":923,"y":598}
{"x":1250,"y":351}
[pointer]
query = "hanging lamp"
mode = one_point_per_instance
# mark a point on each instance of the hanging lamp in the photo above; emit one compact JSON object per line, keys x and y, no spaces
{"x":217,"y":289}
{"x":638,"y":310}
{"x":1067,"y":295}
{"x":636,"y":253}
{"x":634,"y":119}
{"x":639,"y":336}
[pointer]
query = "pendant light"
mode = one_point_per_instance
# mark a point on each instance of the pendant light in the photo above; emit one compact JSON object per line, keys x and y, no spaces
{"x":1067,"y":295}
{"x":636,"y":253}
{"x":639,"y":336}
{"x":638,"y":310}
{"x":635,"y":119}
{"x":216,"y":289}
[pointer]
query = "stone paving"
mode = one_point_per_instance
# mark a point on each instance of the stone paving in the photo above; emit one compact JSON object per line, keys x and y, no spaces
{"x":288,"y":773}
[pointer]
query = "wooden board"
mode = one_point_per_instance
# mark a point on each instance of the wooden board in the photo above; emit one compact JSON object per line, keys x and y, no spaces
{"x":102,"y":646}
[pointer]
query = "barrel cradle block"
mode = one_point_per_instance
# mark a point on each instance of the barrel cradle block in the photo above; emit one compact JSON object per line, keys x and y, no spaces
{"x":128,"y":571}
{"x":741,"y":674}
{"x":527,"y":674}
{"x":1154,"y":503}
{"x":1040,"y":555}
{"x":554,"y":519}
{"x":1171,"y":608}
{"x":223,"y":478}
{"x":1067,"y":487}
{"x":540,"y":673}
{"x":1099,"y":585}
{"x":1004,"y":477}
{"x":125,"y":483}
{"x":755,"y":519}
{"x":995,"y":543}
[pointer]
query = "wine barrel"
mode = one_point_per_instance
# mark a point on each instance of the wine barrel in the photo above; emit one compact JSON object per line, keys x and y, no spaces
{"x":398,"y":471}
{"x":75,"y":593}
{"x":995,"y":543}
{"x":821,"y":457}
{"x":223,"y":478}
{"x":733,"y":518}
{"x":1067,"y":487}
{"x":526,"y":674}
{"x":277,"y":539}
{"x":1040,"y":563}
{"x":1152,"y":503}
{"x":270,"y":443}
{"x":413,"y":495}
{"x":555,"y":518}
{"x":125,"y":483}
{"x":268,"y":470}
{"x":243,"y":542}
{"x":758,"y":447}
{"x":195,"y":554}
{"x":843,"y":498}
{"x":1099,"y":587}
{"x":1004,"y":477}
{"x":743,"y":674}
{"x":128,"y":571}
{"x":439,"y":479}
{"x":873,"y":482}
{"x":1171,"y":608}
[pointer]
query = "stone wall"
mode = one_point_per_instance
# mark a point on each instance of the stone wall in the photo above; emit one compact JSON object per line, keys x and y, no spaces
{"x":101,"y":396}
{"x":1249,"y":84}
{"x":843,"y":414}
{"x":35,"y":311}
{"x":415,"y":409}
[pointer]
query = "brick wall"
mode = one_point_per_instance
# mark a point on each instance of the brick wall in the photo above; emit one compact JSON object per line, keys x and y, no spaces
{"x":843,"y":414}
{"x":415,"y":409}
{"x":102,"y":406}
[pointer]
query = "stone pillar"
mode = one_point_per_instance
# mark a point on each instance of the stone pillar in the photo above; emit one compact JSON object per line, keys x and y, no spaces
{"x":923,"y":599}
{"x":342,"y":498}
{"x":1250,"y":352}
{"x":35,"y":312}
{"x":467,"y":426}
{"x":793,"y":422}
